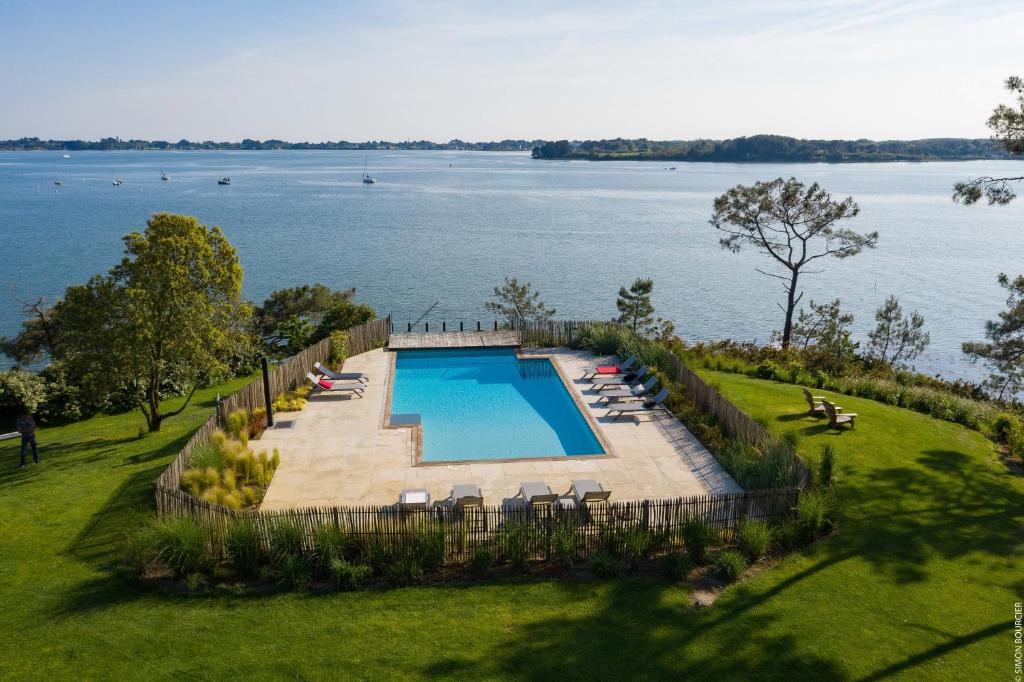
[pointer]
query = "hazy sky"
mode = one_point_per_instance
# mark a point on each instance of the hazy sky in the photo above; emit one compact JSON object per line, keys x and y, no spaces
{"x":493,"y":70}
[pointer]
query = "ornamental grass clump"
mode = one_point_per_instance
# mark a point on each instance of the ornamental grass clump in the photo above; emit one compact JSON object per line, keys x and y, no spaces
{"x":604,"y":565}
{"x":293,"y":571}
{"x":566,"y":541}
{"x":754,"y":538}
{"x":180,"y":545}
{"x":815,"y":512}
{"x":286,"y":538}
{"x":516,"y":537}
{"x":405,"y":571}
{"x":429,"y":546}
{"x":349,"y":576}
{"x":677,"y":566}
{"x":227,"y":472}
{"x":770,"y":464}
{"x":697,"y":536}
{"x":244,"y":547}
{"x":237,"y":425}
{"x":208,"y":454}
{"x":481,"y":560}
{"x":729,"y":564}
{"x":330,"y":543}
{"x":827,"y":466}
{"x":292,"y":401}
{"x":636,"y":543}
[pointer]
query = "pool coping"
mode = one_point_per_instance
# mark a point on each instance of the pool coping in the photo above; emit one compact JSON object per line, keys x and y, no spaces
{"x":417,"y":429}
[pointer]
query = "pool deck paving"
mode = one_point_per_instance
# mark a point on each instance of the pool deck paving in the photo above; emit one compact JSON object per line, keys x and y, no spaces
{"x":337,"y":452}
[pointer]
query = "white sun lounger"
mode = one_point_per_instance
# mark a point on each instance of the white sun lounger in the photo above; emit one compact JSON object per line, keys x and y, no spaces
{"x":636,"y":409}
{"x":537,"y":493}
{"x":414,"y":498}
{"x":328,"y":386}
{"x":467,"y":495}
{"x":586,"y":490}
{"x":343,"y":376}
{"x":633,"y":393}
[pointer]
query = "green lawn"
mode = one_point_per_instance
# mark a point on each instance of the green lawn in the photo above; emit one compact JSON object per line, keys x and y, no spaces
{"x":919,"y":583}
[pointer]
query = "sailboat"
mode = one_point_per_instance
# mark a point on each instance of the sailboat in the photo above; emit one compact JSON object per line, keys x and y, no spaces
{"x":224,"y":180}
{"x":367,"y":179}
{"x":66,"y":155}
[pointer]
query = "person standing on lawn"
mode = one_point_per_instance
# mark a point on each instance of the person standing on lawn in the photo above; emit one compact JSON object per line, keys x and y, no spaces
{"x":26,"y":426}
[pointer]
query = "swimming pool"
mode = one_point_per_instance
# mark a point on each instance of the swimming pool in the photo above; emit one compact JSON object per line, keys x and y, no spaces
{"x":486,"y":404}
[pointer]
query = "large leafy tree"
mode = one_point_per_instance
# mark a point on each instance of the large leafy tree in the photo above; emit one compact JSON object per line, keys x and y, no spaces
{"x":170,"y":312}
{"x":514,"y":301}
{"x":295,"y":317}
{"x":897,"y":338}
{"x":635,"y":304}
{"x":795,"y":225}
{"x":1003,"y":351}
{"x":1007,"y":124}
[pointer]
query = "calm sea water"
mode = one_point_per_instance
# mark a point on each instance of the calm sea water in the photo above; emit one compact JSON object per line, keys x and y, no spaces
{"x":447,"y":226}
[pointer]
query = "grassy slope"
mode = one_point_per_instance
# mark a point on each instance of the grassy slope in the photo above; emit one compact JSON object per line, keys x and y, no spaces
{"x":920,"y":581}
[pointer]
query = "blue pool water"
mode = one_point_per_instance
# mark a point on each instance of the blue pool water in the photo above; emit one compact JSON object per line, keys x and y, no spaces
{"x":482,"y":404}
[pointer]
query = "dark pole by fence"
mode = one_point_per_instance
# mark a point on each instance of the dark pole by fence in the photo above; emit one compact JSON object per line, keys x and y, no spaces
{"x":267,"y":400}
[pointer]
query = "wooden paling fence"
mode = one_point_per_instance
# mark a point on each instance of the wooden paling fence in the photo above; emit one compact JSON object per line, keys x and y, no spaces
{"x":553,"y":332}
{"x":734,"y":422}
{"x":602,"y":527}
{"x":284,"y":376}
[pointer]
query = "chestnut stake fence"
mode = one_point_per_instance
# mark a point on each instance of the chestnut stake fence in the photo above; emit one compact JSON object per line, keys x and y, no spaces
{"x":397,"y":532}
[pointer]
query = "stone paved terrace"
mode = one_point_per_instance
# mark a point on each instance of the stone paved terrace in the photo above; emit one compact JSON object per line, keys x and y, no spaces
{"x":337,"y":453}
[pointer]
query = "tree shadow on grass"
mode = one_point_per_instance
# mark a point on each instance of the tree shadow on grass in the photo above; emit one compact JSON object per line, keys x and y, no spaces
{"x":101,"y":540}
{"x":900,"y":517}
{"x":798,"y":417}
{"x":56,"y":457}
{"x":642,"y":630}
{"x":944,"y":649}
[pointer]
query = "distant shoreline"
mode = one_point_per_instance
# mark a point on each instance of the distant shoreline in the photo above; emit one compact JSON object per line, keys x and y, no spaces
{"x":742,"y":150}
{"x":773,"y":149}
{"x":595,"y":159}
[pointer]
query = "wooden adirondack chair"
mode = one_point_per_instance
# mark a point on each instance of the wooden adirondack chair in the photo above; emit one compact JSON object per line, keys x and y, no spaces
{"x":835,"y":417}
{"x":814,"y":402}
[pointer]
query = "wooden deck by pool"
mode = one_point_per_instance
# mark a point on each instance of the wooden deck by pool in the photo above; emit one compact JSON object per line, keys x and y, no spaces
{"x":418,"y":340}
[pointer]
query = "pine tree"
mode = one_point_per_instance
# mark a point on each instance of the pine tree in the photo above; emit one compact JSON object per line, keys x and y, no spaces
{"x":635,"y":305}
{"x":897,"y":339}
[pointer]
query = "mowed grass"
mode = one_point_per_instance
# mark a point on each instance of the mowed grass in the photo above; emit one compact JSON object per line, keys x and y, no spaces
{"x":920,"y":582}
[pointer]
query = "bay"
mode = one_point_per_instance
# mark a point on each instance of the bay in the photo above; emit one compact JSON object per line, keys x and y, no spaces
{"x":446,"y":227}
